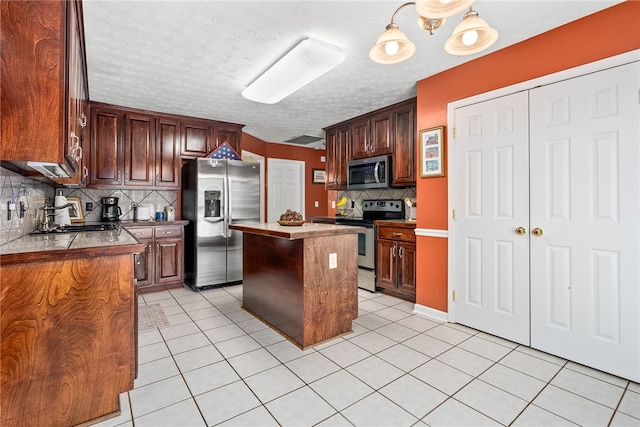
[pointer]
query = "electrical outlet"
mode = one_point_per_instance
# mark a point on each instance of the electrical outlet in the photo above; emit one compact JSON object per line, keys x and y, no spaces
{"x":316,"y":203}
{"x":88,"y":207}
{"x":11,"y":206}
{"x":333,"y":204}
{"x":333,"y":261}
{"x":21,"y":210}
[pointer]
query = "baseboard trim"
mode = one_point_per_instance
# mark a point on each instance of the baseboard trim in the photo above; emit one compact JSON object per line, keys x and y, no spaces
{"x":431,"y":313}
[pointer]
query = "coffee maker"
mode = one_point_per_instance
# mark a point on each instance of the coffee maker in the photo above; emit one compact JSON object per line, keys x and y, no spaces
{"x":110,"y":209}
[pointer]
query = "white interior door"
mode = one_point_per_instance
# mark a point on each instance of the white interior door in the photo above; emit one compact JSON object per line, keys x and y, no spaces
{"x":491,"y":155}
{"x":285,"y":185}
{"x":585,"y":198}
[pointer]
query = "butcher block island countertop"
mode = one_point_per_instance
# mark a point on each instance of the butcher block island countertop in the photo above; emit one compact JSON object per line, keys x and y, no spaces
{"x":68,"y":328}
{"x":301,"y":280}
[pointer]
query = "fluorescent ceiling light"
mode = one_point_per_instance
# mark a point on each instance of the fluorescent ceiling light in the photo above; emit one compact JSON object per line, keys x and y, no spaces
{"x":310,"y":59}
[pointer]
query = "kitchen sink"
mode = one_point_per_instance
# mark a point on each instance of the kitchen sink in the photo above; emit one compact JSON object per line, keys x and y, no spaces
{"x":79,"y":228}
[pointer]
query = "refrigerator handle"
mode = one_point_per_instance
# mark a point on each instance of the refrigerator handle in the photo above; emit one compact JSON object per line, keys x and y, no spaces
{"x":227,"y":206}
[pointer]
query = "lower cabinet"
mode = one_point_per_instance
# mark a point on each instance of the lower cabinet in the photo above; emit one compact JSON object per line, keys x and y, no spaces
{"x":396,"y":259}
{"x":161,"y":265}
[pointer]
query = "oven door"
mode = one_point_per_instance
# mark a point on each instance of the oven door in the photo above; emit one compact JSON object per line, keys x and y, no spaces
{"x":366,"y":249}
{"x":366,"y":243}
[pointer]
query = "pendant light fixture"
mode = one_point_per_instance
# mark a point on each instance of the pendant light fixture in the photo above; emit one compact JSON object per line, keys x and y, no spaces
{"x":392,"y":46}
{"x":472,"y":35}
{"x":441,"y":8}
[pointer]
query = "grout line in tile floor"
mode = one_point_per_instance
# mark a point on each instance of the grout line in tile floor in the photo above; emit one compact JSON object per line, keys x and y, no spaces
{"x":215,"y":364}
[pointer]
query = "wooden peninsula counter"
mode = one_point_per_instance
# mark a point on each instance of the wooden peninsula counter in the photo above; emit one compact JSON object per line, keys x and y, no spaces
{"x":288,"y":281}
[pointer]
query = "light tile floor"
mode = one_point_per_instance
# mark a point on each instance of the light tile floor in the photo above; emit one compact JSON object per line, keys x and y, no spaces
{"x":216,"y":365}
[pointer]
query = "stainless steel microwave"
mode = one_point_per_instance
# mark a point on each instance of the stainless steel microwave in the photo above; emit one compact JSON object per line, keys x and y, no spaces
{"x":372,"y":172}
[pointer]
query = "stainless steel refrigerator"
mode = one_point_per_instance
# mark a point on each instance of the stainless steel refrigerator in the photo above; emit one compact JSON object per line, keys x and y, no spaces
{"x":216,"y":193}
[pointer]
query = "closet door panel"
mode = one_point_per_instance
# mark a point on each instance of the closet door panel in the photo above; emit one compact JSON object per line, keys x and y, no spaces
{"x":585,"y":199}
{"x":491,"y":151}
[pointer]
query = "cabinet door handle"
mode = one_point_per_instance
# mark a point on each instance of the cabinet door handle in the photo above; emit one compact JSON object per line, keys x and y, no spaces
{"x":78,"y":149}
{"x":393,"y":252}
{"x":401,"y":251}
{"x":157,"y":178}
{"x":118,"y":176}
{"x":85,"y":171}
{"x":396,"y":234}
{"x":83,"y":120}
{"x":167,"y":232}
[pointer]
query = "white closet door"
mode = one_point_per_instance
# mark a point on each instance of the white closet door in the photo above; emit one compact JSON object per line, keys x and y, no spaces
{"x":491,"y":155}
{"x":585,"y":197}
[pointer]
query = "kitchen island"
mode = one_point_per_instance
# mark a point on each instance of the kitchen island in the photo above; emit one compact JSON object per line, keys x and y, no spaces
{"x":68,"y":326}
{"x":301,"y":280}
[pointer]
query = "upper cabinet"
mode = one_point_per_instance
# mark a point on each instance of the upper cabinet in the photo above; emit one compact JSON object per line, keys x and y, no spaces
{"x":133,"y":148}
{"x":403,"y":128}
{"x":371,"y":136}
{"x":44,"y":89}
{"x":201,"y":137}
{"x":388,"y":131}
{"x":338,"y":141}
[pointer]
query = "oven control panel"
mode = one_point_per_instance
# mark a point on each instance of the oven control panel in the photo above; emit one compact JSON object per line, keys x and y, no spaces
{"x":383,"y":205}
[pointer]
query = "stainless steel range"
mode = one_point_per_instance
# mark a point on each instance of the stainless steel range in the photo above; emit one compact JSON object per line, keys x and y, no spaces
{"x":372,"y":210}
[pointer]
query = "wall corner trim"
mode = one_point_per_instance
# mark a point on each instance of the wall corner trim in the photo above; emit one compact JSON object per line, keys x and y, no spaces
{"x":428,"y":232}
{"x":431,"y":313}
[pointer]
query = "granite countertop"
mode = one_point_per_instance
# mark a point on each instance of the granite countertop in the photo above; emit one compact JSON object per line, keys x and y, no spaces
{"x":306,"y":230}
{"x":53,"y":246}
{"x":134,"y":223}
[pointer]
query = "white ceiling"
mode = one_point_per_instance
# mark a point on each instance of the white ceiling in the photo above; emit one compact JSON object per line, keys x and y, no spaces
{"x":195,"y":57}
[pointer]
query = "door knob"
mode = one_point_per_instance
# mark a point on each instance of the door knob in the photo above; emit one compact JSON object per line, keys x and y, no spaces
{"x":537,"y":232}
{"x":521,"y":231}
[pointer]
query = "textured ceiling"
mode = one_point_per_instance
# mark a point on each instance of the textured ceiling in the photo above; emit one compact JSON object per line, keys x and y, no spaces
{"x":195,"y":57}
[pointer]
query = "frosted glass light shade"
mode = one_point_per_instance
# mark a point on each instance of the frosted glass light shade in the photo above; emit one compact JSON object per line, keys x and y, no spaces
{"x":310,"y":59}
{"x":486,"y":36}
{"x":382,"y":54}
{"x":440,"y":9}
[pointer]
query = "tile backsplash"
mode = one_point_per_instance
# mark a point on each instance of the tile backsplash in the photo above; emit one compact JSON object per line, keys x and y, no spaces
{"x":356,"y":197}
{"x":17,"y":189}
{"x":157,"y":200}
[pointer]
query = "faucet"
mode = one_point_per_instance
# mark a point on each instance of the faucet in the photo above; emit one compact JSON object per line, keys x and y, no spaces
{"x":48,"y":212}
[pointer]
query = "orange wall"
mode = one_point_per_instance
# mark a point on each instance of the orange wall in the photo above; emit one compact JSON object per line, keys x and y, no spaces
{"x":312,"y":159}
{"x":589,"y":39}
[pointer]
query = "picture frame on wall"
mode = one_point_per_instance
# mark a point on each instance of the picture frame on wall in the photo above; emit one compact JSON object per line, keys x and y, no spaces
{"x":318,"y":176}
{"x":75,"y":213}
{"x":432,"y":154}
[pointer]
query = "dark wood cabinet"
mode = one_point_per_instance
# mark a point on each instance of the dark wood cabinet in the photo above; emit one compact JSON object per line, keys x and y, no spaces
{"x":201,"y":137}
{"x":387,"y":131}
{"x":372,"y":136}
{"x":232,"y":135}
{"x":167,"y":164}
{"x":396,"y":259}
{"x":360,"y":139}
{"x":197,"y":137}
{"x":403,"y":125}
{"x":44,"y":87}
{"x":106,"y":161}
{"x":161,"y":265}
{"x":138,"y":149}
{"x":337,"y":140}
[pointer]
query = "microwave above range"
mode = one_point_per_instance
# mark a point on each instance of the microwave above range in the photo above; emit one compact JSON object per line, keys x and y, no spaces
{"x":372,"y":172}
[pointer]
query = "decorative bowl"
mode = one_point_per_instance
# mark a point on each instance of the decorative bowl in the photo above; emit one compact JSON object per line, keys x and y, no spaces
{"x":290,"y":222}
